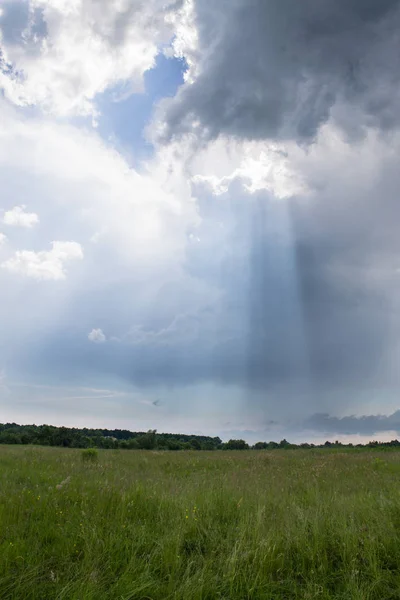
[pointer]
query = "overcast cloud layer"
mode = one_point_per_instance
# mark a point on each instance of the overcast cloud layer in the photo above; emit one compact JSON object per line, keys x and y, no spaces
{"x":244,"y":279}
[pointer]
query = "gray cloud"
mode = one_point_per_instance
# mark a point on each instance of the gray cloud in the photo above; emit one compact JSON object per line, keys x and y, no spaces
{"x":364,"y":425}
{"x":277,"y":68}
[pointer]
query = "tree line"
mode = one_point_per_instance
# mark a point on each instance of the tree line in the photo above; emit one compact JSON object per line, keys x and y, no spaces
{"x":72,"y":437}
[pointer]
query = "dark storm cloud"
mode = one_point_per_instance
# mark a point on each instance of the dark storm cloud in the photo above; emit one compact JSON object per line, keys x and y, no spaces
{"x":365,"y":425}
{"x":276,"y":68}
{"x":346,"y":250}
{"x":345,"y":323}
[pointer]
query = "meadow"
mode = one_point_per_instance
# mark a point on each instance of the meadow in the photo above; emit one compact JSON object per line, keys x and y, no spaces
{"x":149,"y":525}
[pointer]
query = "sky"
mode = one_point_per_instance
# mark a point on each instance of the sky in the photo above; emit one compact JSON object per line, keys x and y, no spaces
{"x":199,"y":216}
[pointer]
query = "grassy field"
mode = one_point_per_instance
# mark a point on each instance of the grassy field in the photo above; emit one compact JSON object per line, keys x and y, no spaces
{"x":197,"y":525}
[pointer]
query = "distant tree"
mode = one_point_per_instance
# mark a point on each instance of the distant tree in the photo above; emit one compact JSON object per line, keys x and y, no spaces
{"x":62,"y":437}
{"x":109,"y":443}
{"x":8,"y":437}
{"x":195,"y":444}
{"x":236,"y":445}
{"x":132,"y":444}
{"x":273,"y":445}
{"x":25,"y":438}
{"x":148,"y":441}
{"x":173,"y":444}
{"x":208,"y":445}
{"x":45,"y":435}
{"x":260,"y":446}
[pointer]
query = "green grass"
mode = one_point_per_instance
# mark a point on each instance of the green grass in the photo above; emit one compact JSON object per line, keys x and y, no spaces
{"x":190,"y":526}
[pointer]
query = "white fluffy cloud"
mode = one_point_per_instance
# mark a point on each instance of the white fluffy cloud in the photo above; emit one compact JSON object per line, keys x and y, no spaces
{"x":143,"y":219}
{"x":260,"y":166}
{"x":46,"y":264}
{"x":97,"y":336}
{"x":3,"y":238}
{"x":18,"y":217}
{"x":66,"y":52}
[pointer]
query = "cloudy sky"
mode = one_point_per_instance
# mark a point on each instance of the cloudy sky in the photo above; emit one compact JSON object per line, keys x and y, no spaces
{"x":199,"y":216}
